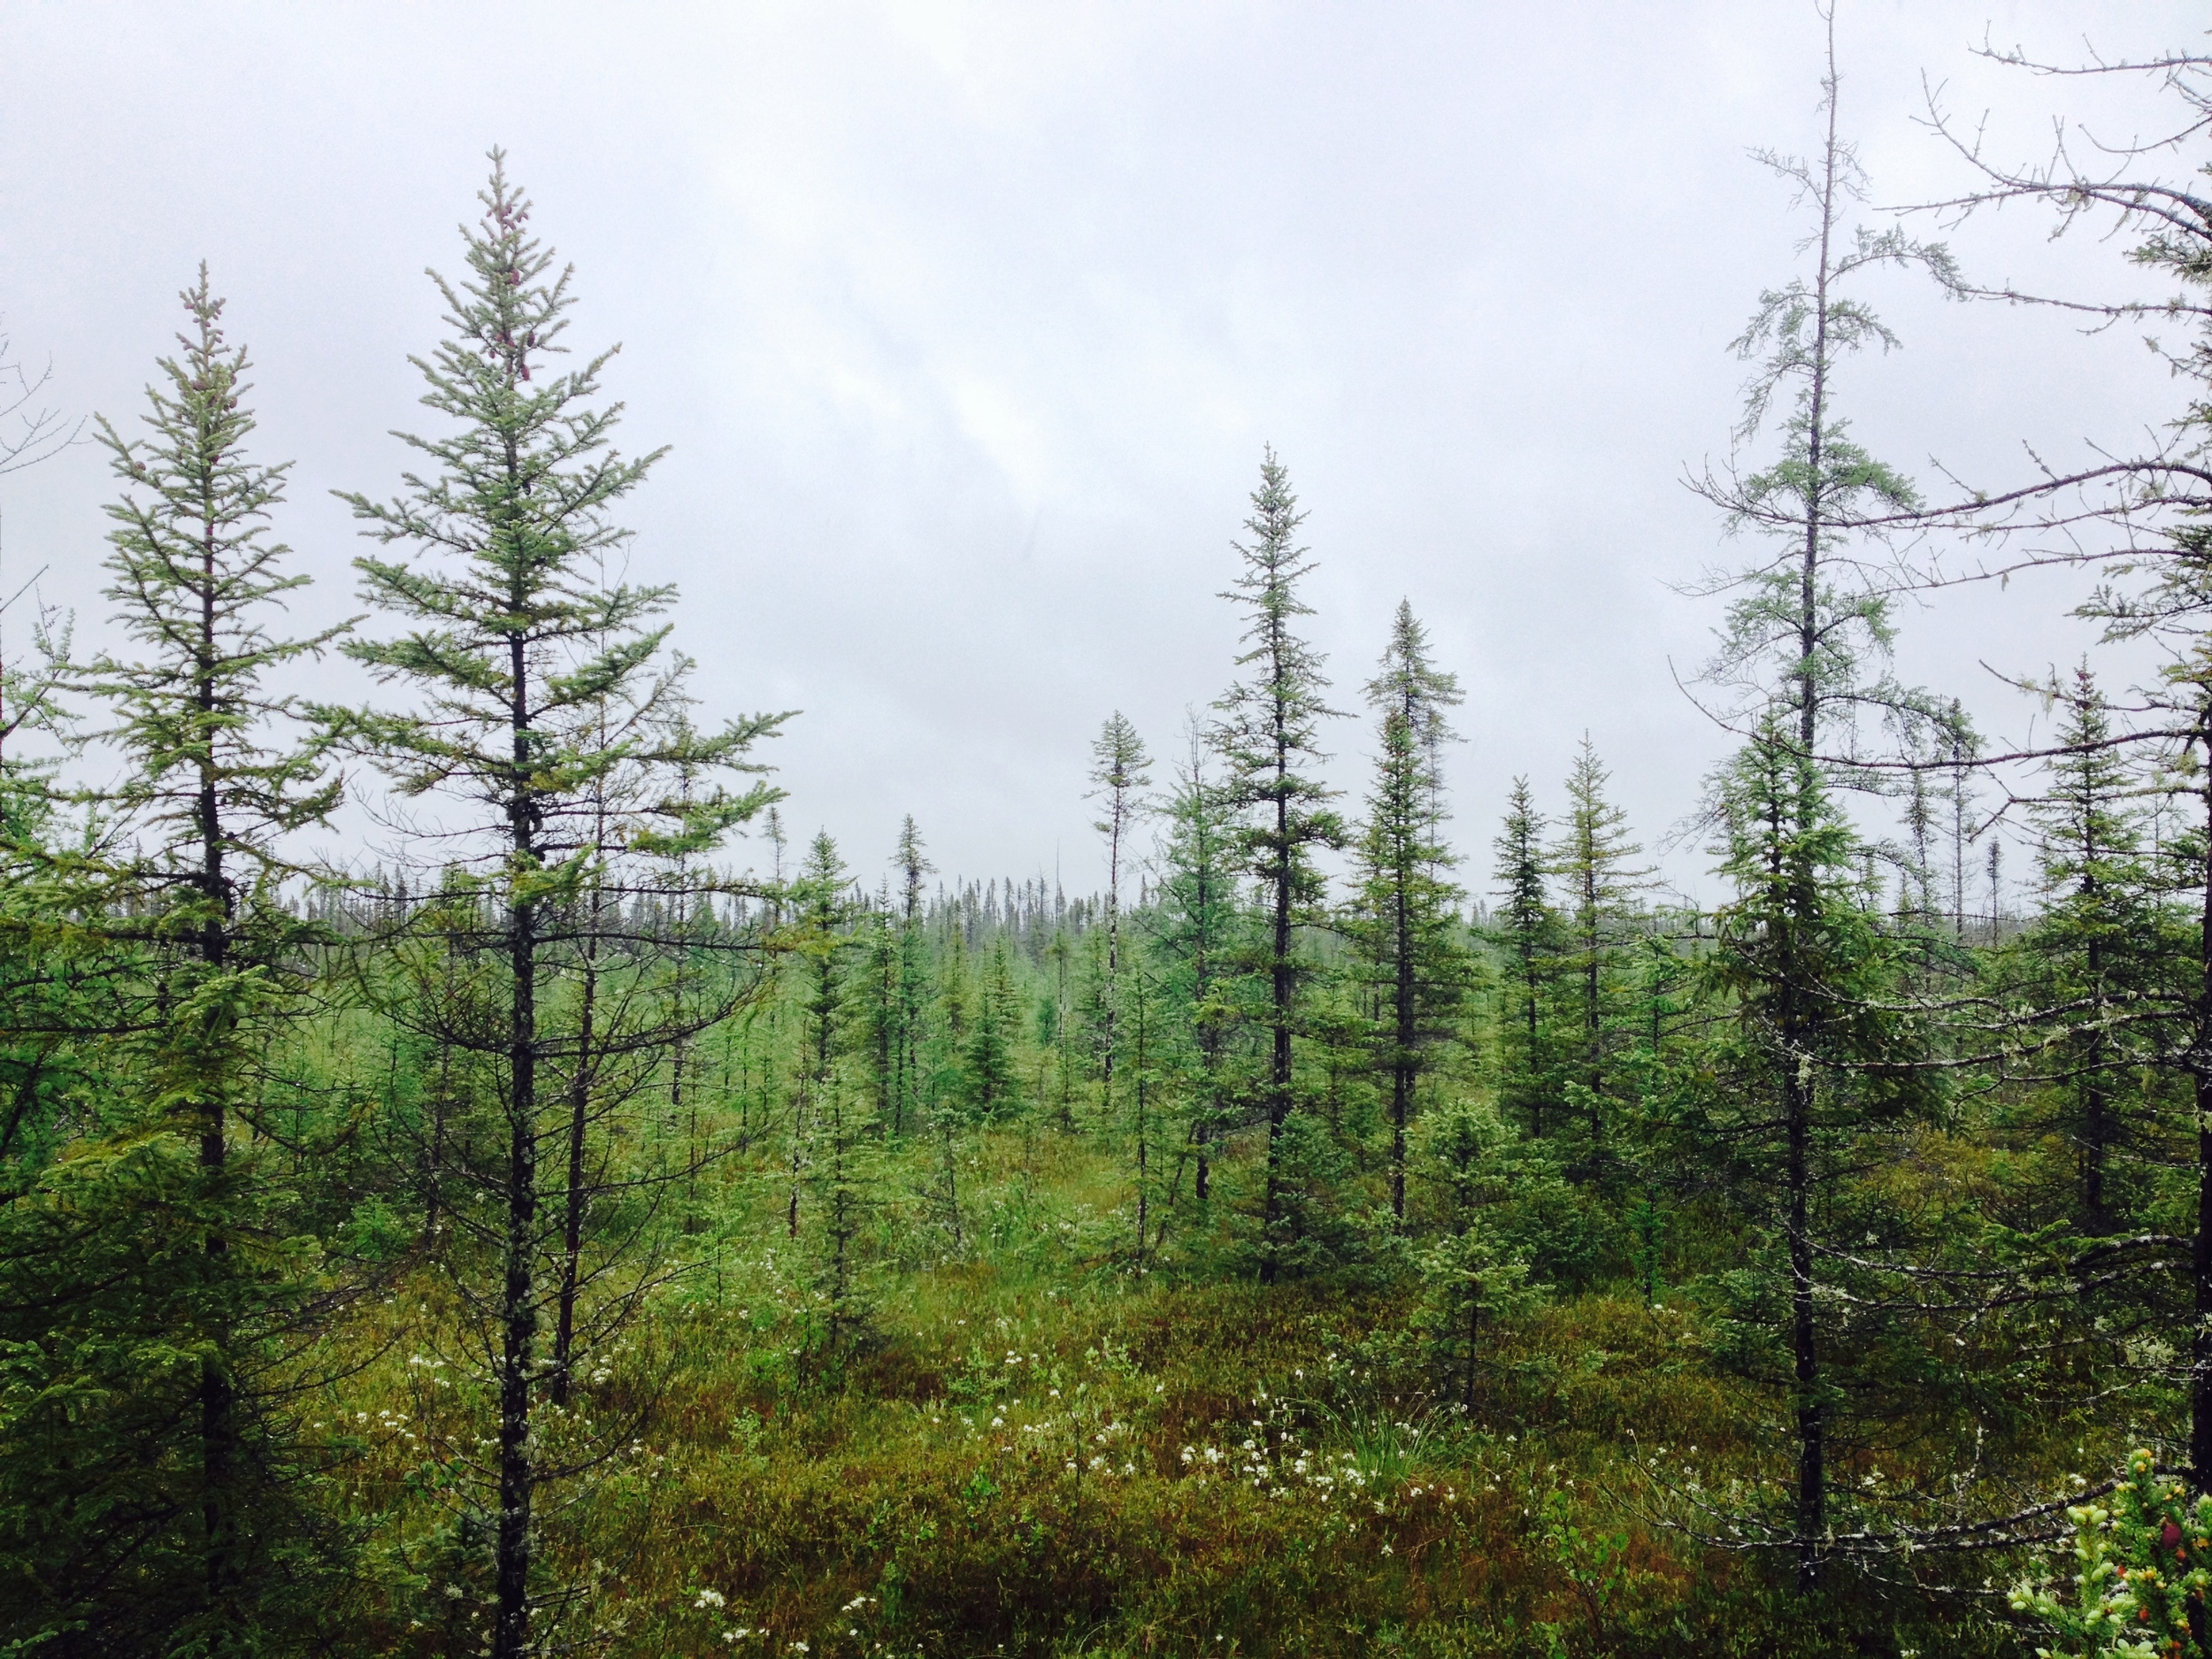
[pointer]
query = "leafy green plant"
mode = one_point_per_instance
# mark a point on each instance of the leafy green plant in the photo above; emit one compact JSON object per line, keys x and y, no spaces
{"x":1592,"y":1562}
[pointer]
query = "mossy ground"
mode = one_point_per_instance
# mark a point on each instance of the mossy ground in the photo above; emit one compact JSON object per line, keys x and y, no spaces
{"x":1038,"y":1449}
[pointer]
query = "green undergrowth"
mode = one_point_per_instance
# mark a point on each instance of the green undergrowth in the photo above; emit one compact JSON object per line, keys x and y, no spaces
{"x":1035,"y":1449}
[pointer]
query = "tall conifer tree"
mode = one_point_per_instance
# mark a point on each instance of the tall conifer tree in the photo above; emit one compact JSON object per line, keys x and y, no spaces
{"x":1269,"y":735}
{"x":911,"y":999}
{"x":2098,"y":941}
{"x":213,"y":790}
{"x":1528,"y":927}
{"x":827,"y":1119}
{"x":1591,"y":860}
{"x":1826,"y":1058}
{"x":514,"y":640}
{"x":1808,"y":635}
{"x":1120,"y":774}
{"x":1404,"y":927}
{"x":1809,"y":624}
{"x":1197,"y":922}
{"x":987,"y":1056}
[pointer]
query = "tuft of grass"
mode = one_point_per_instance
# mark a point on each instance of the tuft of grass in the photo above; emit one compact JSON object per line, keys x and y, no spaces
{"x":1389,"y":1441}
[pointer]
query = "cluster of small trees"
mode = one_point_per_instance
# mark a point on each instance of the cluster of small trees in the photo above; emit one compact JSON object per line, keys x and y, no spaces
{"x":171,"y":1258}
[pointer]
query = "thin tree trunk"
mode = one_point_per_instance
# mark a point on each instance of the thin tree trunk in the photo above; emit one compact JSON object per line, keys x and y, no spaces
{"x":1795,"y":1029}
{"x":2096,"y":1134}
{"x":1143,"y":1173}
{"x":1279,"y":1071}
{"x":798,"y":1133}
{"x":572,"y":1218}
{"x":2201,"y":1247}
{"x":952,"y":1177}
{"x":1528,"y":1009}
{"x":1113,"y":965}
{"x":1467,"y":1378}
{"x":1593,"y":1032}
{"x":218,"y":1430}
{"x":518,"y":1309}
{"x":1402,"y":1061}
{"x":1812,"y":1492}
{"x":2096,"y":1128}
{"x":1201,"y":987}
{"x":886,"y":1043}
{"x":439,"y":1100}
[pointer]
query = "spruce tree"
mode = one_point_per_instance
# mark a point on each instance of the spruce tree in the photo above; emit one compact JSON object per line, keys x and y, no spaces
{"x":1592,"y":859}
{"x":1406,"y":918}
{"x":1476,"y":1269}
{"x":1059,"y":954}
{"x":910,"y":1001}
{"x":826,"y":1117}
{"x":1120,"y":774}
{"x":946,"y":1089}
{"x":1823,"y":1059}
{"x":514,"y":638}
{"x":219,"y":774}
{"x":987,"y":1057}
{"x":822,"y":939}
{"x":2100,"y":942}
{"x":879,"y":994}
{"x":1269,"y":737}
{"x":1527,"y":927}
{"x":1198,"y":924}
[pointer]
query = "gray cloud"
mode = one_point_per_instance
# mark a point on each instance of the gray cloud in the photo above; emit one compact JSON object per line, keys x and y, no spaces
{"x":968,"y":324}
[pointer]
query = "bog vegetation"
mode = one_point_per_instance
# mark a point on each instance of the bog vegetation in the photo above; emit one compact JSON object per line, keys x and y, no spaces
{"x":613,"y":1223}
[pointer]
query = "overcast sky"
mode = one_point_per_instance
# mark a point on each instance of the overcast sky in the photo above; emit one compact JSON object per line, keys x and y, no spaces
{"x":967,"y":325}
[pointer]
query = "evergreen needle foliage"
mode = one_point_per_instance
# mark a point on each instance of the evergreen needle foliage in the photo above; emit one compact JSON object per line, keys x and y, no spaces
{"x":1269,"y":735}
{"x":550,"y":709}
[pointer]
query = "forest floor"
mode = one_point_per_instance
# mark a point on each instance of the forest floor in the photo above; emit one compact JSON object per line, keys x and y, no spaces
{"x":1039,"y":1449}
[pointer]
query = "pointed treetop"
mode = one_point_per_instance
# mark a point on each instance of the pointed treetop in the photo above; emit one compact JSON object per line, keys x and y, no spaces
{"x":1120,"y":764}
{"x":1273,"y":562}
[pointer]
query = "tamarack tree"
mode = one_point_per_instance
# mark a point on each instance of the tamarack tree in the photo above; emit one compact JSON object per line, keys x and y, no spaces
{"x":2143,"y":516}
{"x":1804,"y":647}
